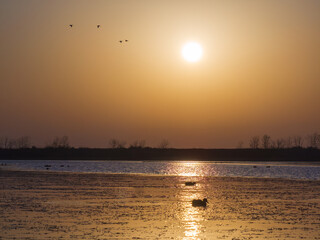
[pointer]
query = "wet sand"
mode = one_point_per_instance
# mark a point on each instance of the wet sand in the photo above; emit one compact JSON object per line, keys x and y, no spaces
{"x":48,"y":205}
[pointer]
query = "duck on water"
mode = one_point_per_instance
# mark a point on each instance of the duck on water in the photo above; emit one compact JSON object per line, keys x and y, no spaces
{"x":190,"y":183}
{"x":199,"y":203}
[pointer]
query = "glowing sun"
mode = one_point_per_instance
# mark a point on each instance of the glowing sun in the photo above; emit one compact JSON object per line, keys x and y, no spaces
{"x":192,"y":52}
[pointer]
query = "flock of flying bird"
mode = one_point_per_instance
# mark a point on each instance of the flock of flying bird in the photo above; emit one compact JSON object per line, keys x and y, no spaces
{"x":98,"y":26}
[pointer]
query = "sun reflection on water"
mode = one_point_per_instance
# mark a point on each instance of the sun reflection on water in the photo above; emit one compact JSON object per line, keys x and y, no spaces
{"x":192,"y":225}
{"x":192,"y":218}
{"x":188,"y":169}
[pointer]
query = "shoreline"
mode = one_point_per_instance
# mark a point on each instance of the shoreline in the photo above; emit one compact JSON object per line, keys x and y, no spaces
{"x":235,"y":162}
{"x":156,"y":154}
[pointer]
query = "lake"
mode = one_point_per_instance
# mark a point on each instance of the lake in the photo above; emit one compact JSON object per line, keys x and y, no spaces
{"x":285,"y":170}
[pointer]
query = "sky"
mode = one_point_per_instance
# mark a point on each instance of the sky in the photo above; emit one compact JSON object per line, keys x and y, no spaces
{"x":259,"y":73}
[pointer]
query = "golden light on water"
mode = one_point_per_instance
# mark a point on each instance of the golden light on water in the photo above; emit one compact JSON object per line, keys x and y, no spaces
{"x":188,"y":169}
{"x":192,"y":224}
{"x":191,"y":217}
{"x":124,"y":206}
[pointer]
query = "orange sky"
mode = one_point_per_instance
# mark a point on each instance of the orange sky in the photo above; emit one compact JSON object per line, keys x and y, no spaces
{"x":260,"y":71}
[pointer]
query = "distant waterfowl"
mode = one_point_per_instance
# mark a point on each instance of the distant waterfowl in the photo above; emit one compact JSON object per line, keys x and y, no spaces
{"x":71,"y":25}
{"x":98,"y":26}
{"x":254,"y":166}
{"x":126,"y":40}
{"x":190,"y":183}
{"x":199,"y":203}
{"x":47,"y":166}
{"x":120,"y":41}
{"x":267,"y":166}
{"x":61,"y":165}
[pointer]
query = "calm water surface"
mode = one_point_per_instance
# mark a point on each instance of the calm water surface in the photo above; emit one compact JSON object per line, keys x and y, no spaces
{"x":288,"y":170}
{"x":36,"y":205}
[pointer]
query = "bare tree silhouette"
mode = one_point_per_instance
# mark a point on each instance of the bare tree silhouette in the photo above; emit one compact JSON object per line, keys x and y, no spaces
{"x":2,"y":140}
{"x":23,"y":142}
{"x":254,"y":142}
{"x":115,"y":143}
{"x":279,"y":143}
{"x":313,"y":140}
{"x":266,"y":141}
{"x":7,"y":143}
{"x":288,"y":142}
{"x":60,"y":142}
{"x":164,"y":144}
{"x":138,"y":144}
{"x":297,"y":141}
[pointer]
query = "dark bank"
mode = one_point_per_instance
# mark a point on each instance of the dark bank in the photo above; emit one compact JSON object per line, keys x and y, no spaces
{"x":292,"y":154}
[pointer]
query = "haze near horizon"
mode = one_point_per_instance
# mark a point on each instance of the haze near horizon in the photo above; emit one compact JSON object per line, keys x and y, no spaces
{"x":258,"y":73}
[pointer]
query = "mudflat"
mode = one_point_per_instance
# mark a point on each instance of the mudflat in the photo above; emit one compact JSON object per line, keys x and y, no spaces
{"x":55,"y":205}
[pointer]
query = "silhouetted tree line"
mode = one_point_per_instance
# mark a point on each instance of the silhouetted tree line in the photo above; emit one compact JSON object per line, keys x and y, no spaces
{"x":255,"y":142}
{"x":266,"y":142}
{"x":24,"y":142}
{"x":15,"y":143}
{"x":63,"y":142}
{"x":261,"y":148}
{"x":59,"y":142}
{"x":116,"y":143}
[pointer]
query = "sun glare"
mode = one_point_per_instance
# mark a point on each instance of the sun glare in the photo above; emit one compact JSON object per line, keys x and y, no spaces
{"x":192,"y":52}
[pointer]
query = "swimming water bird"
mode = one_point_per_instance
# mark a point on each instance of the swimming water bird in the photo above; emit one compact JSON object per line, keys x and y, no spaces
{"x":98,"y":26}
{"x":120,"y":41}
{"x":199,"y":203}
{"x":190,"y":183}
{"x":71,"y":25}
{"x":126,"y":40}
